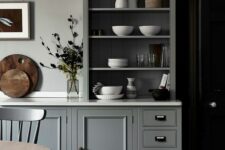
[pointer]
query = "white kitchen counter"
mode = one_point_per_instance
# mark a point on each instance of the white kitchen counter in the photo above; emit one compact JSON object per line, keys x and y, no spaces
{"x":82,"y":102}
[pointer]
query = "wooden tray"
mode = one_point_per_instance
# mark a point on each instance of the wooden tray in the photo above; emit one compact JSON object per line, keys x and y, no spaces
{"x":23,"y":63}
{"x":15,"y":83}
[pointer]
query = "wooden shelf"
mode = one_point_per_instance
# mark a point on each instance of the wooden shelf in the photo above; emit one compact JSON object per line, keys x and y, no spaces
{"x":129,"y":69}
{"x":129,"y":9}
{"x":131,"y":37}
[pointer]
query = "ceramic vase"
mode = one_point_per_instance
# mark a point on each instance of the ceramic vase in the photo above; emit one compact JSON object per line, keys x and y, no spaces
{"x":131,"y":91}
{"x":121,"y":4}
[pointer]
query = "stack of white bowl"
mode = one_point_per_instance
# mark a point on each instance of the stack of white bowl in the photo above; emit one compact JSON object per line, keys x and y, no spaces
{"x":117,"y":62}
{"x":110,"y":92}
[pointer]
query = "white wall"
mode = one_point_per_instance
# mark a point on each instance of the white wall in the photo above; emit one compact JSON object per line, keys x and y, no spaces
{"x":47,"y":17}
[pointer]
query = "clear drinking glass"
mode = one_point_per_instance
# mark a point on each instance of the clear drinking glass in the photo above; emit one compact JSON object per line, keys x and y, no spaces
{"x":165,"y":56}
{"x":140,"y":59}
{"x":155,"y":55}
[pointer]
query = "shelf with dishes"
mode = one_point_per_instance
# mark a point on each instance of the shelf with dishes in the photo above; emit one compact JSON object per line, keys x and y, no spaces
{"x":129,"y":44}
{"x":142,"y":84}
{"x":129,"y":25}
{"x":129,"y":4}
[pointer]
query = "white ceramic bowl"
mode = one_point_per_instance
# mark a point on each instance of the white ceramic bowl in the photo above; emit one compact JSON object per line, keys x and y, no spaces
{"x":122,"y":30}
{"x":111,"y":90}
{"x":117,"y":62}
{"x":149,"y":30}
{"x":112,"y":60}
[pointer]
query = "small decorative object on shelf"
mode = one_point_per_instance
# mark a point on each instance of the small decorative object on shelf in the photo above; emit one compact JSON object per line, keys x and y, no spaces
{"x":153,"y":3}
{"x":70,"y":59}
{"x":96,"y":88}
{"x":160,"y":94}
{"x":131,"y":91}
{"x":121,"y":4}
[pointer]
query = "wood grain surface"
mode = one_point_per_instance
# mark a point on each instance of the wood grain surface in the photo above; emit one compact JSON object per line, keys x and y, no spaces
{"x":15,"y":83}
{"x":23,"y":63}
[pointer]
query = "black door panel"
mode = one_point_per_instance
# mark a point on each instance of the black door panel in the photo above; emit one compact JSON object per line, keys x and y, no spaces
{"x":212,"y":56}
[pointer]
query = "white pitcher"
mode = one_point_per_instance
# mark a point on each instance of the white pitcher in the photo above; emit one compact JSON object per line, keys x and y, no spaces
{"x":131,"y":91}
{"x":121,"y":4}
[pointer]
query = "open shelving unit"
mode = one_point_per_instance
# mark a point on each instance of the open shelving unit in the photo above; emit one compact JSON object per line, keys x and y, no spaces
{"x":101,"y":15}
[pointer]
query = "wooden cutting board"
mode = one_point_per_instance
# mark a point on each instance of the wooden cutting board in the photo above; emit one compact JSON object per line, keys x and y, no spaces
{"x":23,"y":63}
{"x":15,"y":83}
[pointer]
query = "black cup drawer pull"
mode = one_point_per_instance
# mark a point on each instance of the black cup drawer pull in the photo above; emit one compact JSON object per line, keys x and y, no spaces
{"x":160,"y":139}
{"x":160,"y":117}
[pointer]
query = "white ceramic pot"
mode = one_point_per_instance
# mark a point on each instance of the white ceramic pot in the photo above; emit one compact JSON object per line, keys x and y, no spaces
{"x":121,"y":4}
{"x":131,"y":91}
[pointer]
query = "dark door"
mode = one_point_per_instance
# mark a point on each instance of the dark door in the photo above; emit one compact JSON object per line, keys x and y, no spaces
{"x":212,"y":76}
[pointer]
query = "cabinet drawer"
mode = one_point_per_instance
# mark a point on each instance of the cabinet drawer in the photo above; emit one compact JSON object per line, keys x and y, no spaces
{"x":159,"y":117}
{"x":159,"y":138}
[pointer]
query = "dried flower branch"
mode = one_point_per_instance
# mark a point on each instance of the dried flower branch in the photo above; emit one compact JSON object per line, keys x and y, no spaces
{"x":70,"y":57}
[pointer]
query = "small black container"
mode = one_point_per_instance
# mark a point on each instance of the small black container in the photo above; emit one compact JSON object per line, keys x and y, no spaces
{"x":160,"y":94}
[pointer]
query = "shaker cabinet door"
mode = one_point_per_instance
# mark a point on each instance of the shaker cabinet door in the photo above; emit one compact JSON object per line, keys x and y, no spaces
{"x":104,"y":129}
{"x":53,"y":129}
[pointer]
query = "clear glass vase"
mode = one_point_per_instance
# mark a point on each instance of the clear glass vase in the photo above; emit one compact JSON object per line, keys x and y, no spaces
{"x":72,"y":88}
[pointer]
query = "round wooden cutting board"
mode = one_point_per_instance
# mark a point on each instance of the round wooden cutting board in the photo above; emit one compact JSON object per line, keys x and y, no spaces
{"x":23,"y":63}
{"x":15,"y":83}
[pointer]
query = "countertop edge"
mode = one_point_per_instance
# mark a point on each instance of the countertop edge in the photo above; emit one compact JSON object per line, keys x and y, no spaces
{"x":83,"y":102}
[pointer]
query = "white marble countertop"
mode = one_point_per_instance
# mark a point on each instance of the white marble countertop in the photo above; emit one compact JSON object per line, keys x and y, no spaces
{"x":82,"y":102}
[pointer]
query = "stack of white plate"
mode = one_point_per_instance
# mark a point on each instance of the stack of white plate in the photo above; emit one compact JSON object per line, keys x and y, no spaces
{"x":110,"y":93}
{"x":117,"y":62}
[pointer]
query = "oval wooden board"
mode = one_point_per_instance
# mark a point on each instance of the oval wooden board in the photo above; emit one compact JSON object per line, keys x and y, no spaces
{"x":15,"y":83}
{"x":23,"y":63}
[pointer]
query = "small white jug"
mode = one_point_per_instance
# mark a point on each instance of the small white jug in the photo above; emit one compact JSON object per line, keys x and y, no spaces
{"x":121,"y":4}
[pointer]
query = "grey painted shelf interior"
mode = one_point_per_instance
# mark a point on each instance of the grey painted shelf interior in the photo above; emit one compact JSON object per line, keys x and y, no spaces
{"x":101,"y":15}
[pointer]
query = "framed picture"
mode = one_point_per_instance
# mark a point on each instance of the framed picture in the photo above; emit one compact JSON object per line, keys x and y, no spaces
{"x":14,"y":20}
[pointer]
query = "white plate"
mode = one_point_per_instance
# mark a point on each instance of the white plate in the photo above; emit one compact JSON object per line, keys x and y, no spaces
{"x":109,"y":97}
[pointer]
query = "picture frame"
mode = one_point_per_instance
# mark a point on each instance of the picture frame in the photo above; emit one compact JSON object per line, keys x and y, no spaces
{"x":14,"y":20}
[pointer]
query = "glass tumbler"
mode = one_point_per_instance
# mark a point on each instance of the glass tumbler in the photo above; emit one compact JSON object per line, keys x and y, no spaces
{"x":140,"y":59}
{"x":155,"y":55}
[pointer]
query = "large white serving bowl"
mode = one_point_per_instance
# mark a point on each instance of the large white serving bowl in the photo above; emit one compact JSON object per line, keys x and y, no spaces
{"x":110,"y":90}
{"x":150,"y":30}
{"x":122,"y":30}
{"x":117,"y":62}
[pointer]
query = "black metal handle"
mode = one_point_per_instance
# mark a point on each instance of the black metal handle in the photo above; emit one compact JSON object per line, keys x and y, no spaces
{"x":81,"y":148}
{"x":160,"y":139}
{"x":160,"y":117}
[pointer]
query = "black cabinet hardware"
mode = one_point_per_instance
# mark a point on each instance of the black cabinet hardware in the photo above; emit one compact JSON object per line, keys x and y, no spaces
{"x":160,"y":117}
{"x":160,"y":139}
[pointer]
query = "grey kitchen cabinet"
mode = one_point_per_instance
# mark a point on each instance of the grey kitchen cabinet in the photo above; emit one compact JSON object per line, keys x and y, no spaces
{"x":160,"y":128}
{"x":110,"y":128}
{"x":102,"y":15}
{"x":105,"y":129}
{"x":53,"y":129}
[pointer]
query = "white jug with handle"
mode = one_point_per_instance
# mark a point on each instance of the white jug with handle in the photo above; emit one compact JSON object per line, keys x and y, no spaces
{"x":121,"y":4}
